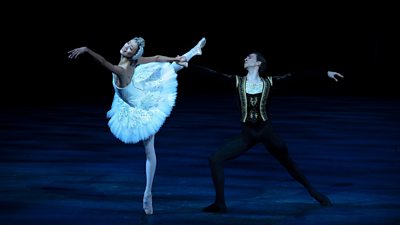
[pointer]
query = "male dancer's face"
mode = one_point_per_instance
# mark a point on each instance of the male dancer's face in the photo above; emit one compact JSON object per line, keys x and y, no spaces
{"x":251,"y":61}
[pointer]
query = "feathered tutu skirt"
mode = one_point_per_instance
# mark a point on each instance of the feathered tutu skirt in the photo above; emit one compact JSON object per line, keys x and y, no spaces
{"x":141,"y":108}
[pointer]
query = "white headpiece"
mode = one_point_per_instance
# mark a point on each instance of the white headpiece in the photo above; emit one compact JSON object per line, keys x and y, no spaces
{"x":140,"y":42}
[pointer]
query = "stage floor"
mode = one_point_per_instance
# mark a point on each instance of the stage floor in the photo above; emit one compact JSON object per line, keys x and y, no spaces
{"x":61,"y":165}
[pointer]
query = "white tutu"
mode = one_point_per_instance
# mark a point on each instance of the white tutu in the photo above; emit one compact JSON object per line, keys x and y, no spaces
{"x":140,"y":109}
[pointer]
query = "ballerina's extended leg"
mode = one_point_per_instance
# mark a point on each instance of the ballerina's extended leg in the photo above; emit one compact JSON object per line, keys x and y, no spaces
{"x":196,"y":50}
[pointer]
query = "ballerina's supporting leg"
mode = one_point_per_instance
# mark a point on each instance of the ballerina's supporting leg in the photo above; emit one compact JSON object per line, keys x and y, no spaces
{"x":151,"y":162}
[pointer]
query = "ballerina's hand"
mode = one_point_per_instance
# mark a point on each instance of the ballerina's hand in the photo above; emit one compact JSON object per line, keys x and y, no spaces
{"x":181,"y":58}
{"x":182,"y":61}
{"x":74,"y":53}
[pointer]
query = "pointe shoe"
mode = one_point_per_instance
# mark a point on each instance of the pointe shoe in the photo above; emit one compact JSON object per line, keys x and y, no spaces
{"x":199,"y":46}
{"x":148,"y":204}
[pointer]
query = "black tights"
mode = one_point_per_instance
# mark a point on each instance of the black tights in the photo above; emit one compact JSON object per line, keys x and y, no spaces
{"x":250,"y":136}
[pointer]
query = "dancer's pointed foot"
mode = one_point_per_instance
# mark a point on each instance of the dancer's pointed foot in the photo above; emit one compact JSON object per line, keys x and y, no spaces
{"x":215,"y":208}
{"x":322,"y":199}
{"x":199,"y":46}
{"x":148,"y":204}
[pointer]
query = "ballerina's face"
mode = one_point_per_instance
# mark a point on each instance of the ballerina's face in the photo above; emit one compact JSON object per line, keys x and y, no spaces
{"x":129,"y":49}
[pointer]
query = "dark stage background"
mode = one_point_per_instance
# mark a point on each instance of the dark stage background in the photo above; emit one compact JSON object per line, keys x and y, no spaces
{"x":357,"y":41}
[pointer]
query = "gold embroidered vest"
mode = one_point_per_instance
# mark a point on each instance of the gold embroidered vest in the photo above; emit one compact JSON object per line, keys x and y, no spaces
{"x":241,"y":87}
